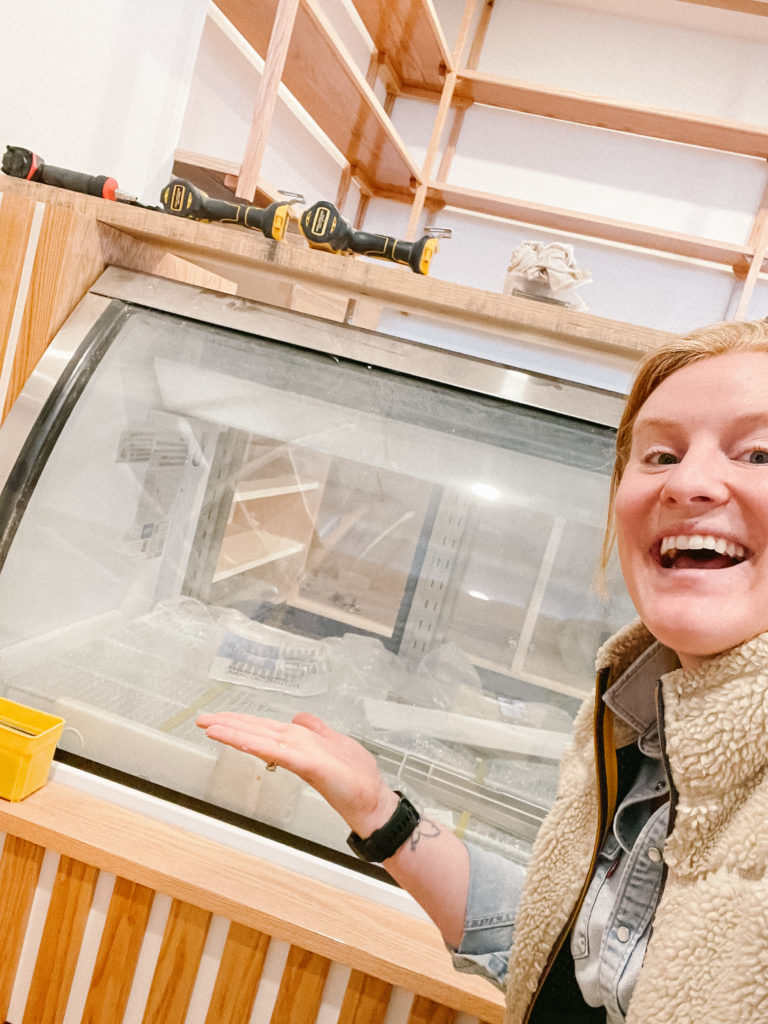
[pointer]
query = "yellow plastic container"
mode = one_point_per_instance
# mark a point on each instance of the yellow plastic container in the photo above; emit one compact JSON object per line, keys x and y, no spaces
{"x":28,"y":739}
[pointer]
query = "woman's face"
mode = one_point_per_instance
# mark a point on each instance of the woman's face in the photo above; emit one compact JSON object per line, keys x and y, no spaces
{"x":692,"y":507}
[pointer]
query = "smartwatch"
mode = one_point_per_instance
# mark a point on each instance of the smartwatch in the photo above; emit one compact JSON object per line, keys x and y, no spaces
{"x":388,"y":839}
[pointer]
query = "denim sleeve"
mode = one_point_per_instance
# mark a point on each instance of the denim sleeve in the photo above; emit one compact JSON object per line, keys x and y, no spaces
{"x":495,"y":884}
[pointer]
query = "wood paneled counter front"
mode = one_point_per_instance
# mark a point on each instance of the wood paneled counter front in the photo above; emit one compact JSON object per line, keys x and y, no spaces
{"x":109,"y":916}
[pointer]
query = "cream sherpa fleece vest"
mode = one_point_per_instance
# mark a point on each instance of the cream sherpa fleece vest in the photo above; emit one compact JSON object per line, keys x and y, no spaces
{"x":707,"y":960}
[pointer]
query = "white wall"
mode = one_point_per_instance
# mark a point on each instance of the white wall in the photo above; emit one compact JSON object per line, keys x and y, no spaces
{"x":220,"y":112}
{"x":99,"y":87}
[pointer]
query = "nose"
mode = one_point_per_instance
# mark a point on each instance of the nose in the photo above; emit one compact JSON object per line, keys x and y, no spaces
{"x":699,"y":477}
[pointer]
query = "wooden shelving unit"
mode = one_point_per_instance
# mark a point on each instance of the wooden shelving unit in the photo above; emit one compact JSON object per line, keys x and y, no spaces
{"x":411,"y":57}
{"x":325,"y":80}
{"x":440,"y":194}
{"x":599,"y":112}
{"x":412,"y":38}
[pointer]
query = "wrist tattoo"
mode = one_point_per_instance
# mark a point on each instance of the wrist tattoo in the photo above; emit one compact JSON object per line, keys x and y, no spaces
{"x":426,"y":829}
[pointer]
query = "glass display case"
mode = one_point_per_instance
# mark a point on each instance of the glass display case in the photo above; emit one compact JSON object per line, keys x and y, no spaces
{"x":214,"y":505}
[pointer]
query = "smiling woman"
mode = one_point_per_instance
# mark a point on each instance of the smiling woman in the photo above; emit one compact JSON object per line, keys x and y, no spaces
{"x":646,"y":897}
{"x":693,"y":493}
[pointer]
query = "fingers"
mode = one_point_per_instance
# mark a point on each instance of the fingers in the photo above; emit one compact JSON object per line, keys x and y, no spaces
{"x":309,"y":721}
{"x":296,"y":745}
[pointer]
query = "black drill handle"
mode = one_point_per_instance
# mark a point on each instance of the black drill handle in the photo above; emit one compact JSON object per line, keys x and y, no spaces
{"x":23,"y":163}
{"x":183,"y":199}
{"x":325,"y":228}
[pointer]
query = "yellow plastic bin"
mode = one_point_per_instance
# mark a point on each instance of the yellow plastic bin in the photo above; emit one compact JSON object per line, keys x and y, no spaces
{"x":28,"y":739}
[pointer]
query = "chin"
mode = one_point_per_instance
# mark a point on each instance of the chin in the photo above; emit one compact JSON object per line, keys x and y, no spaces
{"x":694,"y":642}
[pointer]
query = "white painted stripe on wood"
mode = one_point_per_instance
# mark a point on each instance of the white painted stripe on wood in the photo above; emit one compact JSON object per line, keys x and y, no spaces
{"x":147,"y":962}
{"x":94,"y":929}
{"x":269,"y":985}
{"x":208,"y":970}
{"x":21,"y":300}
{"x":33,"y":935}
{"x":333,"y":994}
{"x":400,"y":1003}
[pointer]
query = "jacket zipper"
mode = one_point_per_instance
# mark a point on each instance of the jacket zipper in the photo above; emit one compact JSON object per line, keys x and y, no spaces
{"x":607,"y":787}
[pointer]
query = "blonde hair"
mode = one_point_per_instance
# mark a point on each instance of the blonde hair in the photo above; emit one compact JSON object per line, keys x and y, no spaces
{"x":705,"y":343}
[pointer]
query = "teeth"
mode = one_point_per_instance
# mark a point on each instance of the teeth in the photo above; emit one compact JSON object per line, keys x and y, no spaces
{"x":699,"y":541}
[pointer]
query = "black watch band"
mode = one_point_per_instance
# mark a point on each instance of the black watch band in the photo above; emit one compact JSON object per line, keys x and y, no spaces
{"x":386,"y":840}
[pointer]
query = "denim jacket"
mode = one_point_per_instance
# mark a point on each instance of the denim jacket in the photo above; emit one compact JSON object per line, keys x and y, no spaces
{"x":610,"y":935}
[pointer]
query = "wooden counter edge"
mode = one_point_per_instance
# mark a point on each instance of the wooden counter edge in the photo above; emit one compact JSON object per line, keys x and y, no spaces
{"x":347,"y":928}
{"x":395,"y":286}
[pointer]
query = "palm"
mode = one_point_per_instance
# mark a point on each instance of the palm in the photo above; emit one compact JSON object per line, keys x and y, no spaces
{"x":338,"y":767}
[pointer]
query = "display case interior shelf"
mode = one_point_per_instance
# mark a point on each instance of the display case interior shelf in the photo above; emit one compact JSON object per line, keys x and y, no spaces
{"x":249,"y":490}
{"x":249,"y":549}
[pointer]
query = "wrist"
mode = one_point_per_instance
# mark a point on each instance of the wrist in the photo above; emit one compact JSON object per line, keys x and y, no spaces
{"x":386,"y":840}
{"x":377,"y":814}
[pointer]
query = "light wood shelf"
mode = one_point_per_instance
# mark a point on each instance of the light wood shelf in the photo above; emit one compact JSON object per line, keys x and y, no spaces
{"x":411,"y":49}
{"x":409,"y":33}
{"x":218,"y":177}
{"x":601,"y":112}
{"x":323,"y":78}
{"x":249,"y":549}
{"x":253,"y":490}
{"x":440,"y":194}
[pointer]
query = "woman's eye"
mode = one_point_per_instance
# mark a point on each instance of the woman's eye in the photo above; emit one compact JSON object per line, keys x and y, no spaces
{"x":758,"y":457}
{"x":662,"y":459}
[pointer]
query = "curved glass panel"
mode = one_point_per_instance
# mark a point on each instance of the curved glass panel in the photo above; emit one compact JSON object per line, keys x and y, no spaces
{"x":227,"y":521}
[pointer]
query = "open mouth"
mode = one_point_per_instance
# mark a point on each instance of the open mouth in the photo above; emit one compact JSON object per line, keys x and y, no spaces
{"x":700,"y":551}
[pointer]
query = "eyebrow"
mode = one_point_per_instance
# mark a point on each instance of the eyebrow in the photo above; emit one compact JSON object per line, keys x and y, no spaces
{"x":746,"y":421}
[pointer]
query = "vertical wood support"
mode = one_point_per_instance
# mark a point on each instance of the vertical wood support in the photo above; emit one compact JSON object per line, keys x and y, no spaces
{"x":444,"y":109}
{"x":19,"y":872}
{"x":438,"y":127}
{"x":177,"y":964}
{"x":60,"y":943}
{"x":301,"y":988}
{"x":266,"y":98}
{"x":759,"y":239}
{"x":123,"y":934}
{"x":237,"y":981}
{"x":365,"y":1001}
{"x":424,"y":1011}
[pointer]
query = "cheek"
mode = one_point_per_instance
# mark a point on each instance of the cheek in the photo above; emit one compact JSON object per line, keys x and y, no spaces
{"x":630,"y":518}
{"x":626,"y":510}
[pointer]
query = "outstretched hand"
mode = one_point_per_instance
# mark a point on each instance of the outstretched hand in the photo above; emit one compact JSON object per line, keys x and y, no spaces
{"x":338,"y":767}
